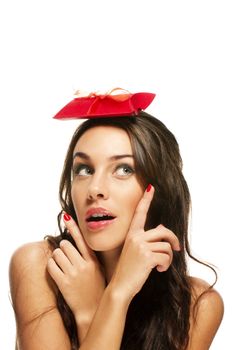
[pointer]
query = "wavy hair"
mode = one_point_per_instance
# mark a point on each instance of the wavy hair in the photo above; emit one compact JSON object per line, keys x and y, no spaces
{"x":158,"y":316}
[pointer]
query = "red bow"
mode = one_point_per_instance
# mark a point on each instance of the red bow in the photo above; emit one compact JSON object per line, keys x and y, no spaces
{"x":97,"y":105}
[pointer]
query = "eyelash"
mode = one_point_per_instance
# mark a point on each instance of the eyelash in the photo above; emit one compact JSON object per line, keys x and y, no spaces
{"x":125,"y":166}
{"x":79,"y":167}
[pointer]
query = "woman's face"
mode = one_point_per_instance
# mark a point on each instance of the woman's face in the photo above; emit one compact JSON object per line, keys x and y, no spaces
{"x":105,"y":189}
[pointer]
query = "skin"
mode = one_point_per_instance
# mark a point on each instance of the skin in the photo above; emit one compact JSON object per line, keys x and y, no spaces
{"x":105,"y":182}
{"x":99,"y":294}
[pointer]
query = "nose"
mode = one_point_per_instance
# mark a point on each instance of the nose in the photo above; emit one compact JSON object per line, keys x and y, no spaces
{"x":98,"y":188}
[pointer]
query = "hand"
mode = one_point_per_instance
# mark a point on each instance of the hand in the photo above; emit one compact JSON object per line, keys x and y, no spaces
{"x":143,"y":251}
{"x":77,"y":274}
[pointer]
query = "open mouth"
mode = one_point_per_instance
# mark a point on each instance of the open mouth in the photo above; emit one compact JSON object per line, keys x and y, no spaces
{"x":100,"y":217}
{"x":99,"y":221}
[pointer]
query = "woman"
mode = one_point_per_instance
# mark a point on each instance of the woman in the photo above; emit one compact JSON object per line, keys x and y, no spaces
{"x":116,"y":277}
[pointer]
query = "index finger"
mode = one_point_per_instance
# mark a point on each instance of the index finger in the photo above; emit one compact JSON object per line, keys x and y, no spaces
{"x":140,"y":214}
{"x":74,"y":231}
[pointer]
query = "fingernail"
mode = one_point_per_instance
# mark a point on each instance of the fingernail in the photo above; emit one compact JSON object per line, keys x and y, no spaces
{"x":66,"y":217}
{"x":148,"y":188}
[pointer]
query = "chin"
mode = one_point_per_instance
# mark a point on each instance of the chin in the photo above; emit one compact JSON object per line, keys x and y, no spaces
{"x":102,"y":244}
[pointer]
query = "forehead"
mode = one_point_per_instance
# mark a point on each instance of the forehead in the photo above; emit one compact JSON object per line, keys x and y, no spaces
{"x":107,"y":140}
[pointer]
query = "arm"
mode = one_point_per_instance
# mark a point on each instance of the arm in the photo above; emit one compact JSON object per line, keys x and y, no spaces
{"x":78,"y":275}
{"x":39,"y":324}
{"x":107,"y":327}
{"x":99,"y":312}
{"x":209,"y":314}
{"x":142,"y":251}
{"x":99,"y":326}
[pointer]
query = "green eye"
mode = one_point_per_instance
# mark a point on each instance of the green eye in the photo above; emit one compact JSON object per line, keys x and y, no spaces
{"x":124,"y":170}
{"x":82,"y":170}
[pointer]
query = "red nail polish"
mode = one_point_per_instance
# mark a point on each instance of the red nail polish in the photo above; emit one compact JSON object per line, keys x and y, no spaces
{"x":148,"y":188}
{"x":66,"y":217}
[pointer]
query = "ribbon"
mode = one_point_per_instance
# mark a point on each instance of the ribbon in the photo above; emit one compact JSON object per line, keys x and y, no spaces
{"x":97,"y":96}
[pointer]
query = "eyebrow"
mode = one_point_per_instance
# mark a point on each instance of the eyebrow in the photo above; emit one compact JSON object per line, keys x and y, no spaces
{"x":115,"y":157}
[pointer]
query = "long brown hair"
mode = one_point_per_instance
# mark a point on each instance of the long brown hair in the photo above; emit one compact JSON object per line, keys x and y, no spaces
{"x":158,"y":316}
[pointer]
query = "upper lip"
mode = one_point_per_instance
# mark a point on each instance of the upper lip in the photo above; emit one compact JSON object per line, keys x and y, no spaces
{"x":98,"y":210}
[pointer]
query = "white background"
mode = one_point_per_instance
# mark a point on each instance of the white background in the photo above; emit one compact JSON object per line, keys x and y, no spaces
{"x":182,"y":50}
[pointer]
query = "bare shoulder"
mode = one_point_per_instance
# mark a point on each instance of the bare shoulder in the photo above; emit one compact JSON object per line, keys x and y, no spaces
{"x":32,"y":251}
{"x":208,"y":296}
{"x":34,"y":298}
{"x":206,"y":313}
{"x":31,"y":257}
{"x":29,"y":279}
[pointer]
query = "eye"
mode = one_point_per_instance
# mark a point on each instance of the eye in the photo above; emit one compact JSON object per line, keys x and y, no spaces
{"x":124,"y":170}
{"x":82,"y":170}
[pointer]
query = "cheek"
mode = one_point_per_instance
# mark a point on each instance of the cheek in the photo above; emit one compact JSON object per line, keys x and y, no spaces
{"x":77,"y":198}
{"x":73,"y":195}
{"x":131,"y":202}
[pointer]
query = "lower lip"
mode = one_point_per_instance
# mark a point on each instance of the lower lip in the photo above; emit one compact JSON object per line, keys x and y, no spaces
{"x":97,"y":225}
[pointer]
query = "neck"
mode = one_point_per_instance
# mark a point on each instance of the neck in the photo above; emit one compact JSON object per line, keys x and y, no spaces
{"x":109,"y":260}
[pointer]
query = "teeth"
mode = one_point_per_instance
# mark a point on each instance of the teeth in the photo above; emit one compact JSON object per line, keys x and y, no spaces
{"x":97,"y":215}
